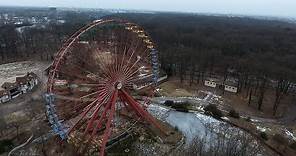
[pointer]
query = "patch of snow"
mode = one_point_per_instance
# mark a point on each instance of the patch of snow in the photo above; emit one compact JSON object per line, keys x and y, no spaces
{"x":206,"y":119}
{"x":225,"y":118}
{"x":290,"y":134}
{"x":254,"y":120}
{"x":158,"y":111}
{"x":261,"y":129}
{"x":201,"y":108}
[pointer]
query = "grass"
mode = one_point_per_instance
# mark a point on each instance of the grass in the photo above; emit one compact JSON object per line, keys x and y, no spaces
{"x":169,"y":88}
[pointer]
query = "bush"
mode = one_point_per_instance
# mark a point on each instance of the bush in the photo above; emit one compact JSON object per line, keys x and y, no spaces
{"x":168,"y":103}
{"x":234,"y":114}
{"x":263,"y":135}
{"x":176,"y":128}
{"x":182,"y":107}
{"x":248,"y":119}
{"x":213,"y":111}
{"x":293,"y":145}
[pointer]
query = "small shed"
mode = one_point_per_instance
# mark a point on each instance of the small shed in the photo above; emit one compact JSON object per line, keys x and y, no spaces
{"x":212,"y":82}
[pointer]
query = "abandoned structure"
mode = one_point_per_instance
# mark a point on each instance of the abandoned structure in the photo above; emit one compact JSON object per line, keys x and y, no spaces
{"x":229,"y":85}
{"x":20,"y":86}
{"x":212,"y":82}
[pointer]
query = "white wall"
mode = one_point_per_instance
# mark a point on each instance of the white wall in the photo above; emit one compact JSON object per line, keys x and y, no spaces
{"x":4,"y":98}
{"x":210,"y":83}
{"x":230,"y":88}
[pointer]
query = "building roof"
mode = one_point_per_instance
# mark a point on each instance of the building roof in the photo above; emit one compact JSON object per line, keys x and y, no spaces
{"x":214,"y":79}
{"x":22,"y":80}
{"x":25,"y":79}
{"x":32,"y":75}
{"x":9,"y":85}
{"x":19,"y":81}
{"x":231,"y":82}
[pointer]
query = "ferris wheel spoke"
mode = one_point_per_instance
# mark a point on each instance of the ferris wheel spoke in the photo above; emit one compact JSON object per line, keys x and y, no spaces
{"x":107,"y":132}
{"x":131,"y":77}
{"x":103,"y":66}
{"x":137,"y":60}
{"x":128,"y":70}
{"x":87,"y":84}
{"x":83,"y":114}
{"x":68,"y":75}
{"x":133,"y":51}
{"x":144,"y":114}
{"x":87,"y":109}
{"x":95,"y":113}
{"x":123,"y":57}
{"x":103,"y":90}
{"x":85,"y":70}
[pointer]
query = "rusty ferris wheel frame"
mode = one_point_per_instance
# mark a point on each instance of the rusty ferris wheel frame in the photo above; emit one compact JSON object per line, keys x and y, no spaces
{"x":111,"y":70}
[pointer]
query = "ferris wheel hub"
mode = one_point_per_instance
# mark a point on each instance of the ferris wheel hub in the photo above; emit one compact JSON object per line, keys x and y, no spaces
{"x":118,"y":85}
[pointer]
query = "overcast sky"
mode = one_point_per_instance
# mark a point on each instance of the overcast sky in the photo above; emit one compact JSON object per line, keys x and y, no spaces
{"x":286,"y":8}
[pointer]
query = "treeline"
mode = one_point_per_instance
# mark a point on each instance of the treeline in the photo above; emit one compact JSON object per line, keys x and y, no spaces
{"x":40,"y":41}
{"x":260,"y":54}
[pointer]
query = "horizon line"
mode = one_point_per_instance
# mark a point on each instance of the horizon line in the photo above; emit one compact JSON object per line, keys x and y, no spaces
{"x":276,"y":17}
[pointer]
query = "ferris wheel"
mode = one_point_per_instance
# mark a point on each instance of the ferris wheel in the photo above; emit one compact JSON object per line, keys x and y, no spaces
{"x":99,"y":75}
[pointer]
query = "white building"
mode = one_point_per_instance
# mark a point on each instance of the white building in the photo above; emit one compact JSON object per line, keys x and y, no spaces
{"x":27,"y":82}
{"x":232,"y":89}
{"x":231,"y":85}
{"x":212,"y":82}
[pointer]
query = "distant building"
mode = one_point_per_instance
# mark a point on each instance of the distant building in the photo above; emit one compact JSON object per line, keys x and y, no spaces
{"x":292,"y":88}
{"x":231,"y":85}
{"x":212,"y":82}
{"x":27,"y":82}
{"x":12,"y":88}
{"x":20,"y":86}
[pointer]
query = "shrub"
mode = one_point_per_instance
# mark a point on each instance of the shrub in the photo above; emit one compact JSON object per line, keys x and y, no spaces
{"x":213,"y":111}
{"x":176,"y":128}
{"x":263,"y":135}
{"x":248,"y":119}
{"x":182,"y":107}
{"x":169,"y":103}
{"x":234,"y":114}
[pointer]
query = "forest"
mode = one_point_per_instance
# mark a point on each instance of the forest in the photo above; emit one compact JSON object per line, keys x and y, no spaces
{"x":260,"y":54}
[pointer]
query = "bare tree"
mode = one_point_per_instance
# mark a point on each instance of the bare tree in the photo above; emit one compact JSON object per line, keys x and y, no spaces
{"x":222,"y":140}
